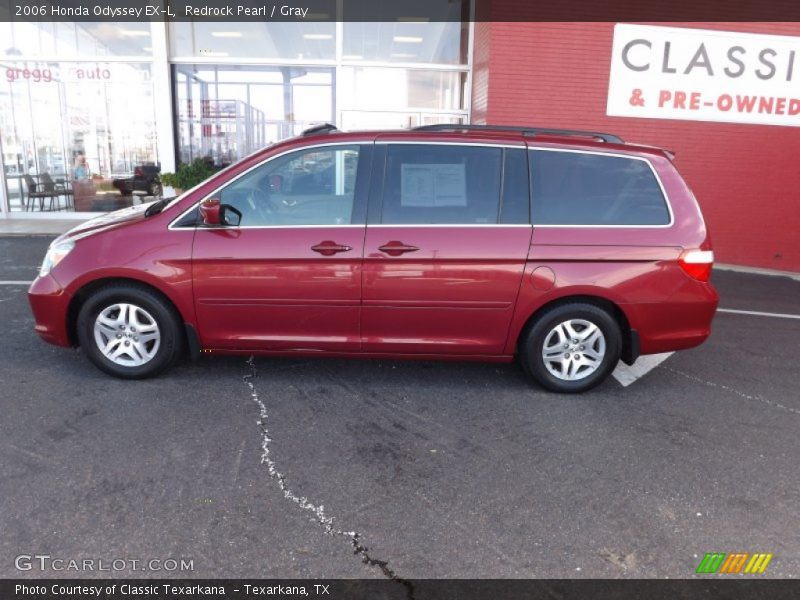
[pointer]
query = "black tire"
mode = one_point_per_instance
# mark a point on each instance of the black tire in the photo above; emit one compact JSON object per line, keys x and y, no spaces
{"x":155,"y":189}
{"x":162,"y":312}
{"x":533,"y":339}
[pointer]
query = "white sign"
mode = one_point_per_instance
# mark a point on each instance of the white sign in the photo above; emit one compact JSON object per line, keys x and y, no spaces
{"x":433,"y":185}
{"x":704,"y":75}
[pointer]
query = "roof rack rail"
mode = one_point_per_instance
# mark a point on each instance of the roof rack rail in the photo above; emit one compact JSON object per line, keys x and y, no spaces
{"x":527,"y":131}
{"x":324,"y":128}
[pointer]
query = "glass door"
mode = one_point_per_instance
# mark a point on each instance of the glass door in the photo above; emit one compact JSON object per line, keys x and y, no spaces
{"x":226,"y":112}
{"x":32,"y":135}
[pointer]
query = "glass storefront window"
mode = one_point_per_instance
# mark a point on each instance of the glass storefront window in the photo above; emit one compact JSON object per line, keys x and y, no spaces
{"x":390,"y":88}
{"x":77,"y":104}
{"x":288,"y":41}
{"x":72,"y":130}
{"x":421,"y":42}
{"x":225,"y":112}
{"x":353,"y":120}
{"x":74,"y":40}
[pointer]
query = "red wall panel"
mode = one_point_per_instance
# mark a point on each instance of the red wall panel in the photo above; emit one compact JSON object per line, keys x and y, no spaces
{"x":746,"y":177}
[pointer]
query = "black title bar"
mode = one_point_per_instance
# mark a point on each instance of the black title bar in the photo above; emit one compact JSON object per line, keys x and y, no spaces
{"x":705,"y":588}
{"x":398,"y":10}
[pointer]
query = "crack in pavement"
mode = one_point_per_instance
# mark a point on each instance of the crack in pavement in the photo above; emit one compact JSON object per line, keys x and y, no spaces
{"x":727,"y":388}
{"x":319,"y":516}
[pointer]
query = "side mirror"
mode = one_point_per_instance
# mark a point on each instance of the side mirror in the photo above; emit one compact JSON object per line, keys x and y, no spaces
{"x":230,"y":215}
{"x":210,"y":212}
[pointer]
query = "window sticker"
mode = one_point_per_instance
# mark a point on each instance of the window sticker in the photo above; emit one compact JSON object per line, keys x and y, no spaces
{"x":433,"y":185}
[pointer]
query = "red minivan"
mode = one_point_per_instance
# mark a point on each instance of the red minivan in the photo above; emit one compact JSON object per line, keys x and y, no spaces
{"x":569,"y":249}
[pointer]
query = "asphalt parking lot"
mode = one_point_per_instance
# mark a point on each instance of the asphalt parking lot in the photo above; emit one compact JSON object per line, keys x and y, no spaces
{"x":444,"y":469}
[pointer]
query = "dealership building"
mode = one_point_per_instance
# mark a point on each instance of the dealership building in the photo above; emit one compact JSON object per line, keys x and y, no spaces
{"x":83,"y":104}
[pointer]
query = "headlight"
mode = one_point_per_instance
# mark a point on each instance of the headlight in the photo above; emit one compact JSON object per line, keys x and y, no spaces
{"x":55,"y":254}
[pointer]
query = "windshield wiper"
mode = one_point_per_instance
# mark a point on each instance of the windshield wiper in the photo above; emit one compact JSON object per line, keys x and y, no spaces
{"x":156,"y":207}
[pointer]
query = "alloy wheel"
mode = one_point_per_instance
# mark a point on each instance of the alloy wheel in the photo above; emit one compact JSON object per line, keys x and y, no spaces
{"x":574,"y":349}
{"x":127,"y":334}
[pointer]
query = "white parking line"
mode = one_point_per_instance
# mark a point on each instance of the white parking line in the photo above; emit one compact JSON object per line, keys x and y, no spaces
{"x":12,"y":282}
{"x":758,"y":313}
{"x":626,"y":375}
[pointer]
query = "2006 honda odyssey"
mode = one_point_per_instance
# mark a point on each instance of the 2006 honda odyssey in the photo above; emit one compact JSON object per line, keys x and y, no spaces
{"x":571,"y":250}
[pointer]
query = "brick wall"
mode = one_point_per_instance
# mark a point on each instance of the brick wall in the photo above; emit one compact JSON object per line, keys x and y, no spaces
{"x":746,"y":177}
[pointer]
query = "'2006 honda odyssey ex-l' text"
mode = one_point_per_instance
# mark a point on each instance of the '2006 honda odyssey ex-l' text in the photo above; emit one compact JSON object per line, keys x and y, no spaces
{"x":569,"y":250}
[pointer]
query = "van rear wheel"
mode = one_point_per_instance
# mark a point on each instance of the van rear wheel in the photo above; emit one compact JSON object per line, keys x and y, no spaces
{"x":129,"y":331}
{"x":571,"y":348}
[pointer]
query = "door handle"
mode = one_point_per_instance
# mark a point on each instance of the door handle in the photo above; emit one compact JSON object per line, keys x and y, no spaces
{"x":329,"y":248}
{"x":396,"y":248}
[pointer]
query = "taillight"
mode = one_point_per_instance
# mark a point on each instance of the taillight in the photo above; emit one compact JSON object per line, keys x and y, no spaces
{"x":697,"y":263}
{"x":137,"y":172}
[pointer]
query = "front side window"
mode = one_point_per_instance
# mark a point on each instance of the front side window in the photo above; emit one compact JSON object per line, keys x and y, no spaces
{"x":315,"y":186}
{"x":441,"y":184}
{"x":577,"y":188}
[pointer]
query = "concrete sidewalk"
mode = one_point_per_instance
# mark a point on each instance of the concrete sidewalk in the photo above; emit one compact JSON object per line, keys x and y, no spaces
{"x":36,"y":226}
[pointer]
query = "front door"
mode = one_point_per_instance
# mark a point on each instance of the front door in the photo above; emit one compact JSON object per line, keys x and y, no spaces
{"x":446,"y":245}
{"x":288,"y":276}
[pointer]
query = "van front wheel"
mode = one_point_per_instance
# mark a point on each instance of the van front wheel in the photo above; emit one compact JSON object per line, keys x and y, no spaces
{"x":129,"y":331}
{"x":571,"y":348}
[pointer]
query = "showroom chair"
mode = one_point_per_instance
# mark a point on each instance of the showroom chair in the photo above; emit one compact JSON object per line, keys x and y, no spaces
{"x":68,"y":193}
{"x":33,"y":194}
{"x":57,"y":188}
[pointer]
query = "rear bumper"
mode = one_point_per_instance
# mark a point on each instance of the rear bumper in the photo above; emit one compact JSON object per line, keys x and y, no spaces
{"x":50,"y":303}
{"x":683,"y":321}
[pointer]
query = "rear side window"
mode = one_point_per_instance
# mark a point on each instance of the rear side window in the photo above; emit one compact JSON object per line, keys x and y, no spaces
{"x":441,"y":184}
{"x":576,"y":188}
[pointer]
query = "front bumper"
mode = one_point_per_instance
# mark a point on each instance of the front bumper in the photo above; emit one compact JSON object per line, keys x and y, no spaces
{"x":50,"y":305}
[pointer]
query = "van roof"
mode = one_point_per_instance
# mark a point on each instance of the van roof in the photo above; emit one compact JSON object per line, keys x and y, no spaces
{"x":500,"y":134}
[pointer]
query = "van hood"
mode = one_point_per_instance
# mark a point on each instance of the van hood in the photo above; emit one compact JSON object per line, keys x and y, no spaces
{"x":107,"y":221}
